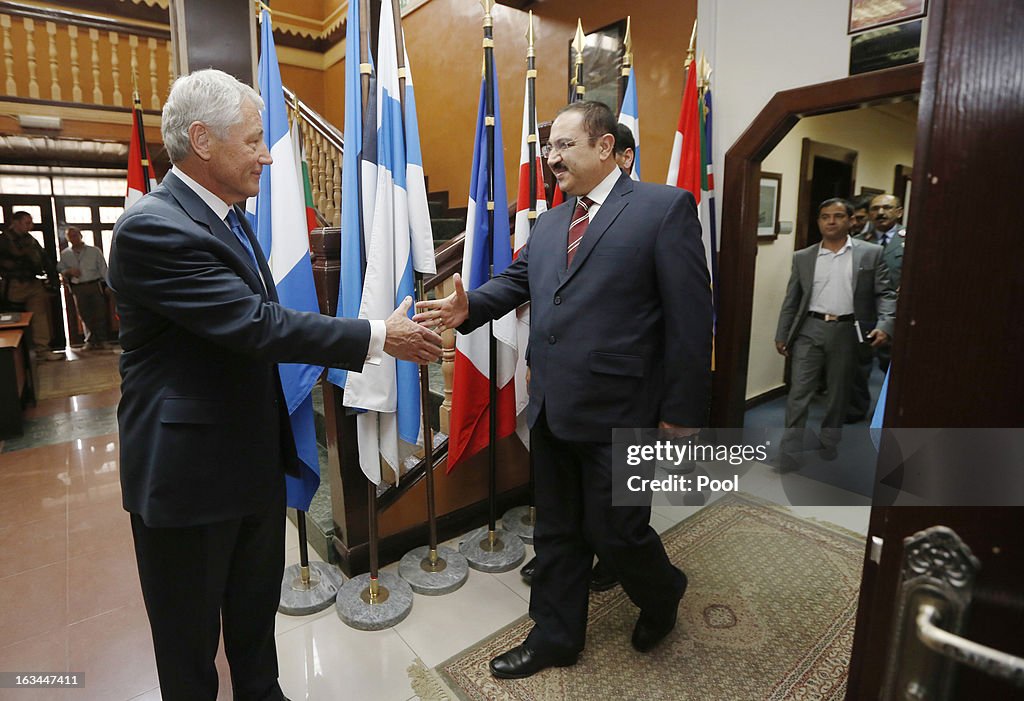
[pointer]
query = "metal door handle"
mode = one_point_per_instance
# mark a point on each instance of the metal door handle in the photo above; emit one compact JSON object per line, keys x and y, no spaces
{"x":988,"y":660}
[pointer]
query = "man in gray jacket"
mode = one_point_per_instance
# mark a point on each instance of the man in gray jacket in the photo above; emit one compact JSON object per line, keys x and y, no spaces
{"x":839,"y":295}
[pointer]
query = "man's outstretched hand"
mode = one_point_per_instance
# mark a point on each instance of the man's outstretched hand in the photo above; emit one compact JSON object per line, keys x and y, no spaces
{"x":447,"y":313}
{"x":407,"y":340}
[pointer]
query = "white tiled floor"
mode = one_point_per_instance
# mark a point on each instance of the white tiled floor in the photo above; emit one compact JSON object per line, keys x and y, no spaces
{"x":66,"y":559}
{"x":321,"y":658}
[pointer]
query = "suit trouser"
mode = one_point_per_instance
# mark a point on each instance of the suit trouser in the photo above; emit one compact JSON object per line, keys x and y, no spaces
{"x":192,"y":578}
{"x":575,"y":520}
{"x":820,"y":344}
{"x":36,"y":299}
{"x":92,"y":309}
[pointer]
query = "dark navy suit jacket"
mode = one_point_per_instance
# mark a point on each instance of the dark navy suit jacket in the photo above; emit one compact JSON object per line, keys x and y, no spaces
{"x":623,"y":337}
{"x":203,"y":425}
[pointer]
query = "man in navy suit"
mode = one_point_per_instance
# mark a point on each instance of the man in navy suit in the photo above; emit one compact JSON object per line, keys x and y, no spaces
{"x":620,"y":336}
{"x":204,"y":431}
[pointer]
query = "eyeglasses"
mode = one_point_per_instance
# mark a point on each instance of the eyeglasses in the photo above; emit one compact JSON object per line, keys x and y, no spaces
{"x":562,"y":145}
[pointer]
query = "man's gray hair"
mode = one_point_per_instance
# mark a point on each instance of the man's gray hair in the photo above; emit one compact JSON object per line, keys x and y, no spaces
{"x":209,"y":96}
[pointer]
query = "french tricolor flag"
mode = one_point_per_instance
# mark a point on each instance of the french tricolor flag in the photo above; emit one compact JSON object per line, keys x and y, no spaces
{"x":470,"y":391}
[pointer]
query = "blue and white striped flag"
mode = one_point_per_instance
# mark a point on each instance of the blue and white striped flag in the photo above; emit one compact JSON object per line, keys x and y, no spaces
{"x":353,"y":250}
{"x":280,"y":225}
{"x":400,"y":241}
{"x":630,"y":116}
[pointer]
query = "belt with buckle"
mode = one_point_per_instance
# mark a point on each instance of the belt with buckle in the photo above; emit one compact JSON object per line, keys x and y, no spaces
{"x":831,"y":317}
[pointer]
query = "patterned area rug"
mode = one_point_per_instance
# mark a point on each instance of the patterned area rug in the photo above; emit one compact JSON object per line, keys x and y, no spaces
{"x":769,"y":614}
{"x":87,"y":373}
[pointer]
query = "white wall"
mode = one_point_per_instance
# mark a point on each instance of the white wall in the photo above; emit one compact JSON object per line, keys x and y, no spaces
{"x":882,"y":142}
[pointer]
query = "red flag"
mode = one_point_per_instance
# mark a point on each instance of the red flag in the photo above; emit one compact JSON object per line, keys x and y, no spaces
{"x":685,"y":165}
{"x":140,"y":168}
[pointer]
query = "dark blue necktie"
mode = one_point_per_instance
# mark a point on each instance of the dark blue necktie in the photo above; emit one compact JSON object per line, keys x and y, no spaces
{"x":236,"y":227}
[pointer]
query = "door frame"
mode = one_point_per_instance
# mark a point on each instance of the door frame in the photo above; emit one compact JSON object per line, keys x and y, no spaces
{"x":58,"y":339}
{"x":809,"y":150}
{"x":737,"y":261}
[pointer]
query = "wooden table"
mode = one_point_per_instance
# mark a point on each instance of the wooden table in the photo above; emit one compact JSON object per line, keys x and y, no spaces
{"x":17,"y":376}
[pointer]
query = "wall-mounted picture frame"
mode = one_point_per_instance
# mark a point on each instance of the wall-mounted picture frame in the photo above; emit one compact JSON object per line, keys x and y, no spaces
{"x":871,"y":14}
{"x":768,"y":204}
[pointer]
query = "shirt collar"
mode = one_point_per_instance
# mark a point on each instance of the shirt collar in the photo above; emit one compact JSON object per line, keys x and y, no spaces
{"x":604,"y":188}
{"x":847,"y":246}
{"x":219,"y":206}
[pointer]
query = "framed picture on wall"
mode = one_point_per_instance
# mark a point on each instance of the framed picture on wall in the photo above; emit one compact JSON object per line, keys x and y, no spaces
{"x":871,"y":14}
{"x":768,"y":204}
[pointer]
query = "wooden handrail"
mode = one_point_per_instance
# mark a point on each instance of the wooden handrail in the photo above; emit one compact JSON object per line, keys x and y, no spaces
{"x":321,"y":125}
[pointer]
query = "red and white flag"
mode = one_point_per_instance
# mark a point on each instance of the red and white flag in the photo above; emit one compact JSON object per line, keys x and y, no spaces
{"x":685,"y":164}
{"x":521,"y":235}
{"x":140,"y":167}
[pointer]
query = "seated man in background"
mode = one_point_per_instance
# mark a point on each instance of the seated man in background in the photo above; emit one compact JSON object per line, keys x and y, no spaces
{"x":85,"y":270}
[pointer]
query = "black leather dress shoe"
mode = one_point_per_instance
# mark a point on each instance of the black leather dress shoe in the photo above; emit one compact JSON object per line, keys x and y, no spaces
{"x":521,"y":662}
{"x":602,"y":578}
{"x":652,"y":629}
{"x":526,"y":571}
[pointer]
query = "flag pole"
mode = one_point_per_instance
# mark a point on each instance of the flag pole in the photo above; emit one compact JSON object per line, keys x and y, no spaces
{"x":492,"y":345}
{"x":531,"y":143}
{"x":436,"y":571}
{"x":627,"y":62}
{"x":374,"y":593}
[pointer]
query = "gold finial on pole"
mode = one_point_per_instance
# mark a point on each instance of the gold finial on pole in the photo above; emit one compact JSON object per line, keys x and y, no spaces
{"x":627,"y":42}
{"x":135,"y":88}
{"x":260,"y":6}
{"x":704,"y":72}
{"x":488,"y":6}
{"x":578,"y":42}
{"x":530,"y":38}
{"x":693,"y":45}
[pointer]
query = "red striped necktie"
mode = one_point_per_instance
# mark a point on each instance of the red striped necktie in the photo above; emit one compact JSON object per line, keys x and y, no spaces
{"x":580,"y":220}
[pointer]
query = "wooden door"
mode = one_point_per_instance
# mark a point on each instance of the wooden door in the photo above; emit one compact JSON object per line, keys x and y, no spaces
{"x":956,"y":362}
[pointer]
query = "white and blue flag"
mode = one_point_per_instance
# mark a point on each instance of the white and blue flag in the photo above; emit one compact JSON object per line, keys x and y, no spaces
{"x":397,"y":241}
{"x":353,"y":251}
{"x":630,"y":116}
{"x":280,"y":225}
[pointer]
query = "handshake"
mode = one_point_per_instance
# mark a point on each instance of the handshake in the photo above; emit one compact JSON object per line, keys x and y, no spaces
{"x":408,"y":340}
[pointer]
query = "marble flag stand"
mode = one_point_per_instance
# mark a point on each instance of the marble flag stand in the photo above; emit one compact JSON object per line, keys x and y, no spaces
{"x":308,"y":588}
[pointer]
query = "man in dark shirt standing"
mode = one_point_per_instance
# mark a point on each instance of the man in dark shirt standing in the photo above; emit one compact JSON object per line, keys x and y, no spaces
{"x":22,"y":261}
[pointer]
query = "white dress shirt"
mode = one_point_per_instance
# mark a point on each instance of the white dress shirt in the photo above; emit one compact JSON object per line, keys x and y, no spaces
{"x":378,"y":329}
{"x":832,"y":292}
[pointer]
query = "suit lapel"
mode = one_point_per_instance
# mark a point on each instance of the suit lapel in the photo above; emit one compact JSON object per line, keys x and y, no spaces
{"x":613,"y":205}
{"x":858,"y":257}
{"x":201,"y":213}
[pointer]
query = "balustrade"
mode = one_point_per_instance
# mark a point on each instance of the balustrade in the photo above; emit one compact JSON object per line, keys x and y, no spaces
{"x":74,"y":44}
